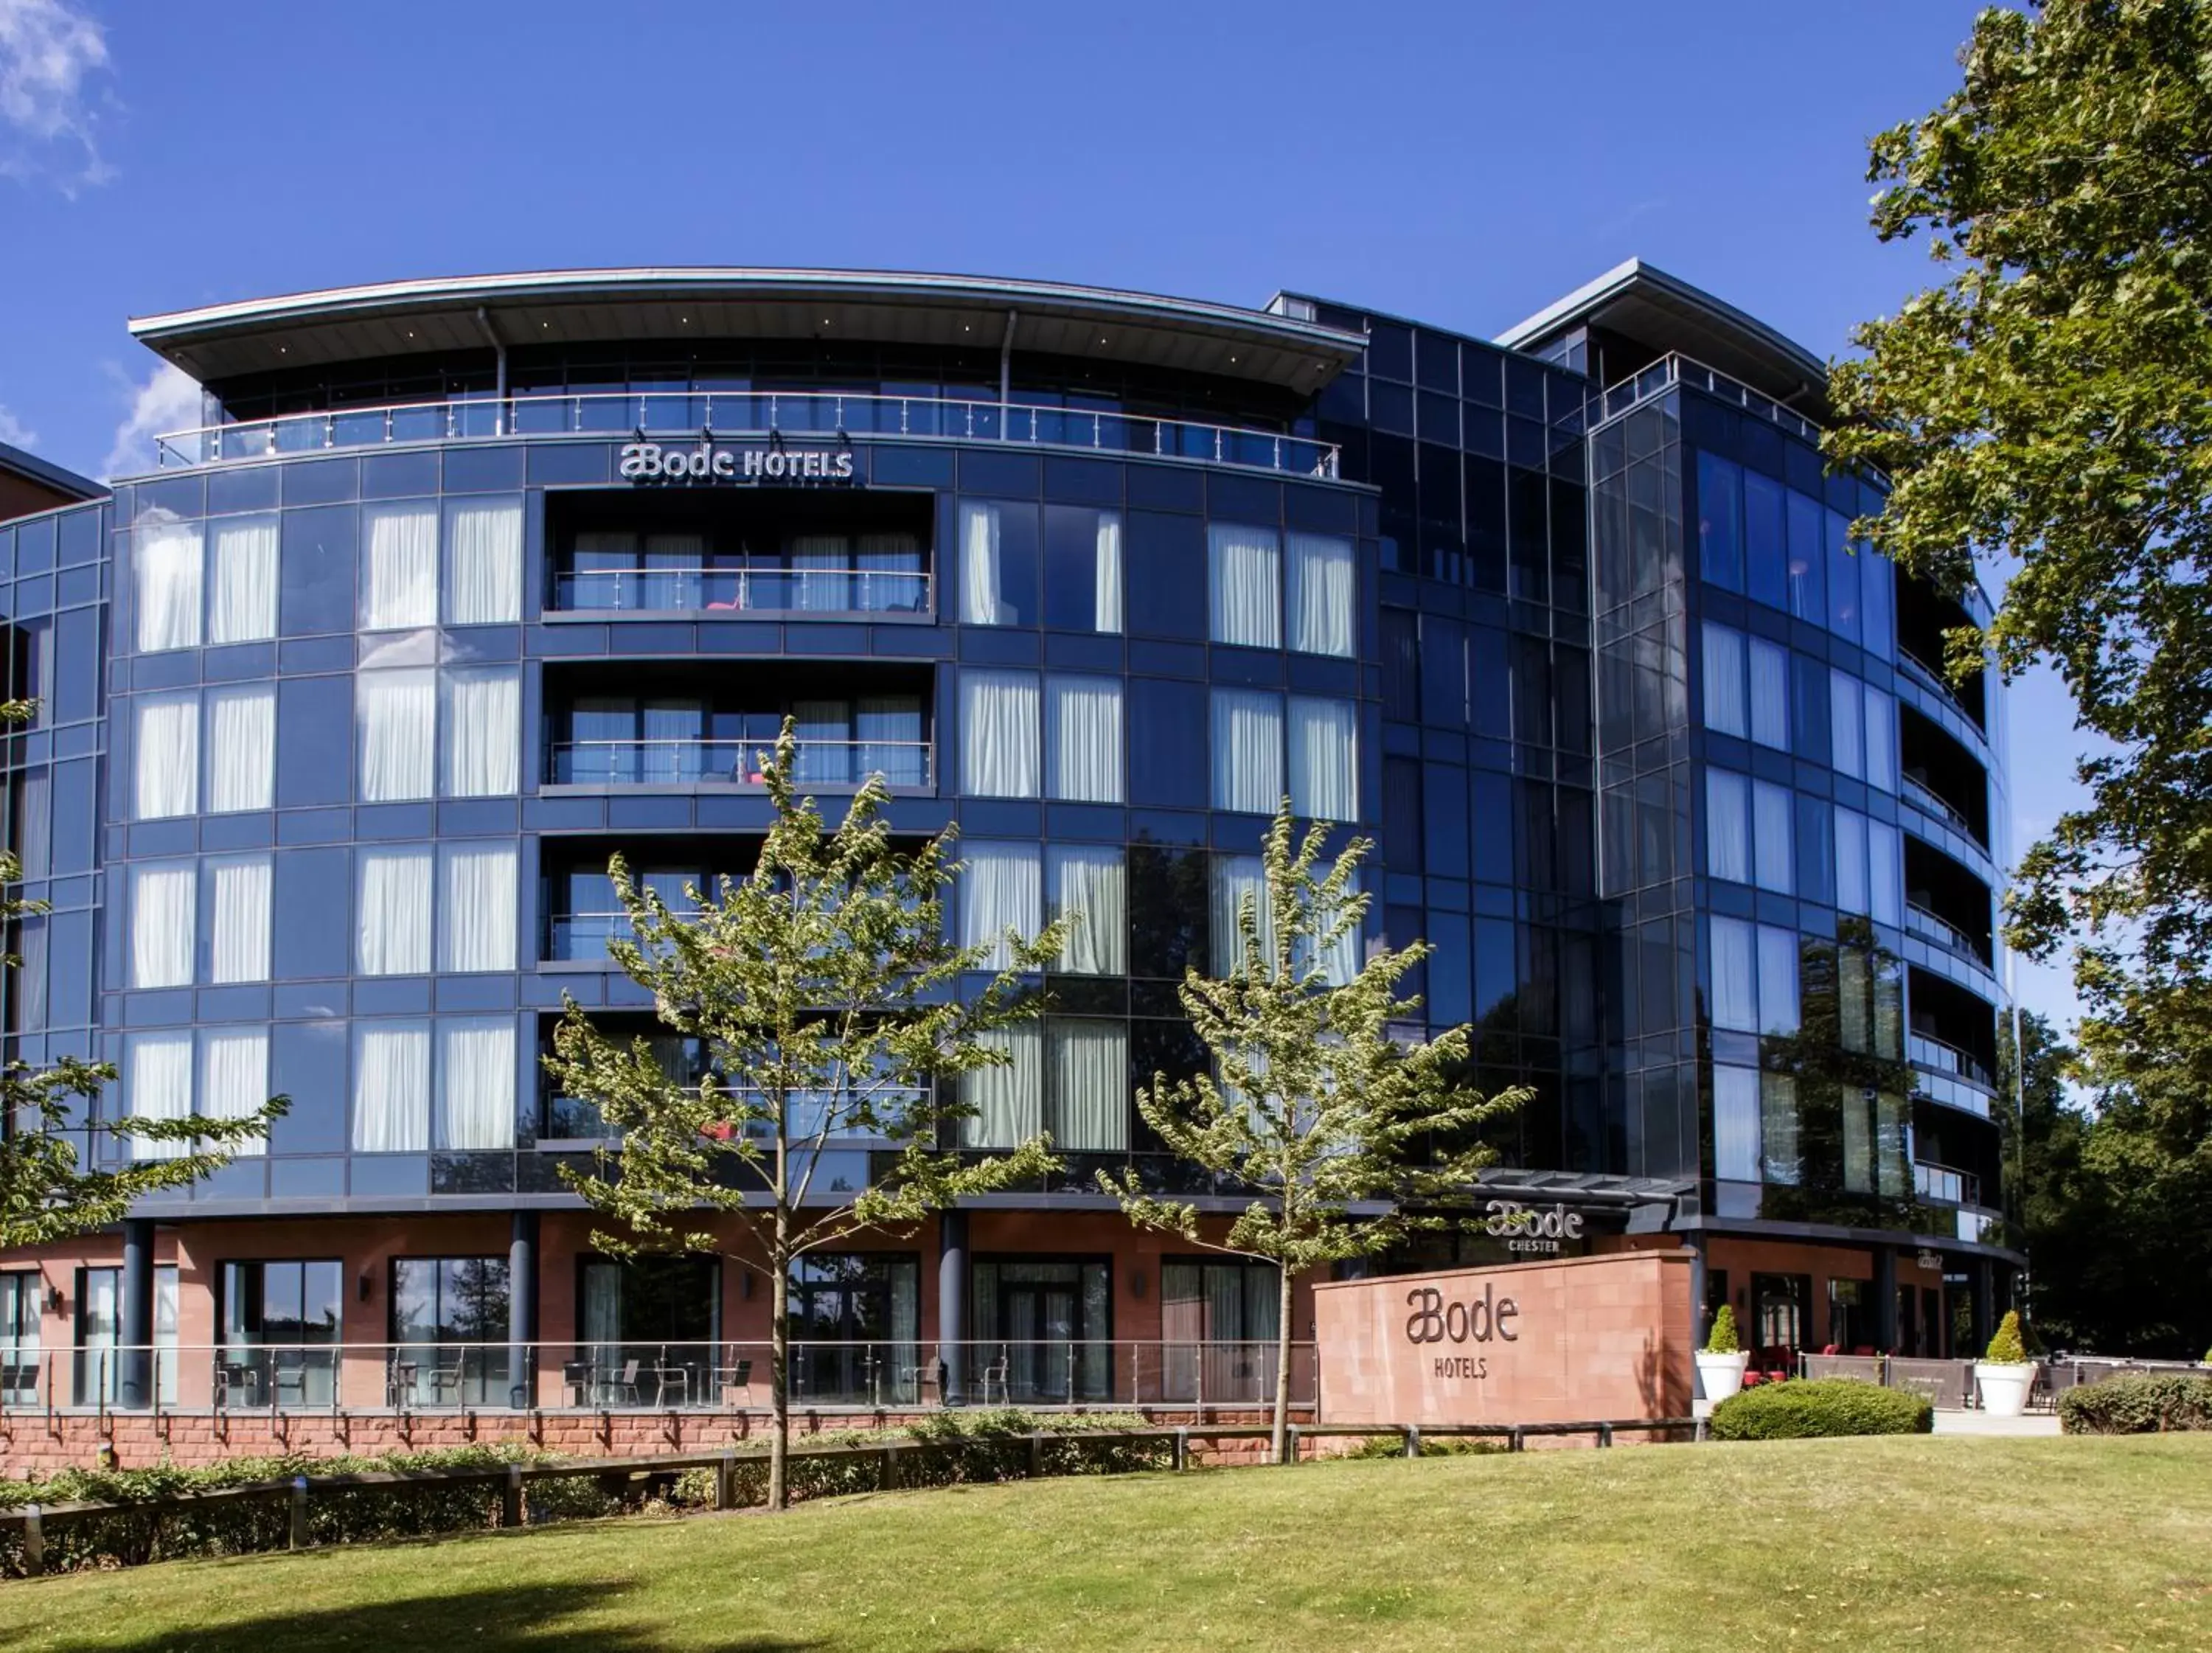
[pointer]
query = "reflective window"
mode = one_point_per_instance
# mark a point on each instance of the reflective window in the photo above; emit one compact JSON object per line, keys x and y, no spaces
{"x":1001,"y":889}
{"x":1086,"y":884}
{"x":1000,"y":745}
{"x":1244,"y":585}
{"x":1082,"y":568}
{"x":1720,"y":521}
{"x":998,"y":563}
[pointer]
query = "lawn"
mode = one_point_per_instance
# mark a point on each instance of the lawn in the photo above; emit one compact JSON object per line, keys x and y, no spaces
{"x":1894,"y":1543}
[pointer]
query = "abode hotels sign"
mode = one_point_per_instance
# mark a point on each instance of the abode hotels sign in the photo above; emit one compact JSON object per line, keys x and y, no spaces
{"x":713,"y":462}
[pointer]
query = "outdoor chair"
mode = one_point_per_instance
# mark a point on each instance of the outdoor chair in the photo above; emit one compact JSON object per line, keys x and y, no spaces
{"x":738,"y":1374}
{"x":575,"y":1382}
{"x":444,"y":1384}
{"x":667,"y":1378}
{"x":623,"y":1386}
{"x":997,"y":1373}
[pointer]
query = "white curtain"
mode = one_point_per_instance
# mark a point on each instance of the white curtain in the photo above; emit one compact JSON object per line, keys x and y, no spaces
{"x":238,"y":907}
{"x":1881,"y":740}
{"x":979,"y":566}
{"x":397,"y":715}
{"x":163,"y":905}
{"x":1108,"y":579}
{"x":167,"y":731}
{"x":1727,"y":827}
{"x":1325,"y":759}
{"x":391,"y":928}
{"x":483,"y":730}
{"x":242,"y":580}
{"x":1724,"y":707}
{"x":1769,"y":694}
{"x":157,"y":1084}
{"x":390,"y":1087}
{"x":1851,"y":861}
{"x":484,"y":561}
{"x":1008,"y":1100}
{"x":399,"y":566}
{"x":999,"y":723}
{"x":1091,"y":1086}
{"x":1248,"y":751}
{"x":889,"y":729}
{"x":1089,"y":884}
{"x":241,"y":768}
{"x":1735,"y":974}
{"x":234,"y":1078}
{"x":1847,"y":724}
{"x":1735,"y":1124}
{"x":1002,"y":887}
{"x":1777,"y":979}
{"x":1774,"y":814}
{"x":891,"y":579}
{"x":1884,"y":874}
{"x":476,"y":1083}
{"x":1234,"y":878}
{"x":476,"y":906}
{"x":1244,"y":600}
{"x":1340,"y":963}
{"x":1324,"y":606}
{"x":821,"y":561}
{"x":1083,"y":739}
{"x":166,"y":556}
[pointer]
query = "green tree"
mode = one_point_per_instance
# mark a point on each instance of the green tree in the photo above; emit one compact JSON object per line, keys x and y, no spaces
{"x":1347,"y":1133}
{"x":2046,"y":411}
{"x":821,"y":989}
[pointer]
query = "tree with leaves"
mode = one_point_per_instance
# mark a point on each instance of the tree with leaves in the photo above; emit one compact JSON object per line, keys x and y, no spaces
{"x":1347,"y":1133}
{"x":822,"y":992}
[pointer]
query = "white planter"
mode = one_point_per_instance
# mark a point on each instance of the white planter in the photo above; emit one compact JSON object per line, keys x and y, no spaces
{"x":1721,"y":1375}
{"x":2004,"y":1388}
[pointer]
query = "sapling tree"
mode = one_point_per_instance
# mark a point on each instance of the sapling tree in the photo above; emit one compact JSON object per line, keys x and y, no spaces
{"x":1345,"y":1132}
{"x":821,"y":993}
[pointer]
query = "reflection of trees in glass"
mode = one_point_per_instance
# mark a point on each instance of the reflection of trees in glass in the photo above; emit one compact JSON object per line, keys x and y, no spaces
{"x":1169,"y":901}
{"x":475,"y":1300}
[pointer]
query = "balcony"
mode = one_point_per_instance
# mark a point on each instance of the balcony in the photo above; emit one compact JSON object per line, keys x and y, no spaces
{"x":1926,"y":1050}
{"x":739,"y":415}
{"x":1941,"y":776}
{"x":689,"y":762}
{"x":1947,"y":904}
{"x":1947,"y":1187}
{"x":750,"y":590}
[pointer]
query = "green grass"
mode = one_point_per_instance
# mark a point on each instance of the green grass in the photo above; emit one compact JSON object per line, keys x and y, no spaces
{"x":1903,"y":1542}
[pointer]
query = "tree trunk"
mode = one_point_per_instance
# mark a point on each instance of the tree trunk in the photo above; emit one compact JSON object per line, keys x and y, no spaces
{"x":1283,"y":1371}
{"x":779,"y":1445}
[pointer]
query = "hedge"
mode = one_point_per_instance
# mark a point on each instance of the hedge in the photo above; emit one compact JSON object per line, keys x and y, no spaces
{"x":1800,"y":1409}
{"x":2142,"y":1403}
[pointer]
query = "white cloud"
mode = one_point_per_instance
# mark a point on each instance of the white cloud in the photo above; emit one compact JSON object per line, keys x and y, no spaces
{"x":50,"y":56}
{"x":14,"y":432}
{"x":169,"y":401}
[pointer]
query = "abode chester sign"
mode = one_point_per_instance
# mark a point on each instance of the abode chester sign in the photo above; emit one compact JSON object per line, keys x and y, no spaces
{"x":716,"y":462}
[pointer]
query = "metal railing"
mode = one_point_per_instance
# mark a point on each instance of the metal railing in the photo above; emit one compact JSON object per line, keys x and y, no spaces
{"x":1945,"y":1185}
{"x":721,"y":415}
{"x":1927,"y":1051}
{"x":1675,"y":370}
{"x":779,"y":591}
{"x":1941,"y":930}
{"x":1921,"y":794}
{"x":1937,"y":683}
{"x":887,"y":1373}
{"x":690,"y":762}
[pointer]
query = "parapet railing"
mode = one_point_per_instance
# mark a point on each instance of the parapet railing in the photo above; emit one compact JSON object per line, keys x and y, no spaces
{"x":691,"y":761}
{"x":697,"y":588}
{"x":723,"y":416}
{"x":1671,"y":370}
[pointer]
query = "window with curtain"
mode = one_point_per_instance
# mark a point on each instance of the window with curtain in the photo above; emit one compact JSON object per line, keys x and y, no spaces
{"x":476,"y":906}
{"x":1244,"y":593}
{"x":390,"y":1087}
{"x":1736,"y":974}
{"x":236,"y":889}
{"x":1885,"y":873}
{"x":1769,"y":694}
{"x":1339,"y":960}
{"x":824,"y":727}
{"x":1088,"y":883}
{"x":1727,"y":826}
{"x":1778,"y":1129}
{"x":396,"y":712}
{"x":1235,"y":879}
{"x":1735,"y":1124}
{"x":981,"y":585}
{"x":671,"y":564}
{"x":166,"y":729}
{"x":1851,"y":861}
{"x":820,"y":562}
{"x":1008,"y":1098}
{"x":1324,"y":758}
{"x":484,"y":561}
{"x":392,"y":925}
{"x":166,"y":586}
{"x":1002,"y":887}
{"x":1089,"y":1085}
{"x":163,"y":915}
{"x":241,"y":599}
{"x":1248,"y":751}
{"x":1323,"y":595}
{"x":483,"y":749}
{"x":1774,"y":832}
{"x":999,"y":734}
{"x":157,"y":1084}
{"x":1725,"y":710}
{"x":1777,"y":979}
{"x":891,"y":575}
{"x":234,"y":1079}
{"x":1881,"y":740}
{"x":1083,"y":739}
{"x":889,"y":729}
{"x":1846,"y":723}
{"x":1107,"y":578}
{"x":399,"y":565}
{"x":476,"y":1083}
{"x":241,"y":747}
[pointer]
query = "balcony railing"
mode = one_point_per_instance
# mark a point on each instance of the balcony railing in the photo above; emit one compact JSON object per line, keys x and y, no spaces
{"x":1946,"y":1186}
{"x":789,"y":590}
{"x":1938,"y":682}
{"x":738,"y":414}
{"x":1942,"y":932}
{"x":1920,"y":794}
{"x":1671,"y":370}
{"x":685,"y":762}
{"x":1927,"y":1051}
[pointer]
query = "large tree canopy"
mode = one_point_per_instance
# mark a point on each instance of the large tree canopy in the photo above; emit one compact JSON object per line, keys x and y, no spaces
{"x":2046,"y":412}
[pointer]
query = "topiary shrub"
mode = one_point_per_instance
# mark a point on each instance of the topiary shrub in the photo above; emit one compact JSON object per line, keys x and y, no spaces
{"x":1443,"y":1446}
{"x":1722,"y":1339}
{"x":2142,"y":1403}
{"x":1799,"y":1409}
{"x":2005,"y":1348}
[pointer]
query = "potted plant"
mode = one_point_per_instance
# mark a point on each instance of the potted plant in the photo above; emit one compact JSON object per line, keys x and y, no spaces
{"x":1720,"y":1361}
{"x":2004,"y":1373}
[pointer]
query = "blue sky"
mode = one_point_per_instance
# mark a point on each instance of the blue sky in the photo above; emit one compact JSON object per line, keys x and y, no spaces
{"x":1464,"y":162}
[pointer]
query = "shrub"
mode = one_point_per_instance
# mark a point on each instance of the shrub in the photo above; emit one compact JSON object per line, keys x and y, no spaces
{"x":1722,"y":1339}
{"x":2142,"y":1403}
{"x":1800,"y":1410}
{"x":2005,"y":1348}
{"x":1447,"y":1446}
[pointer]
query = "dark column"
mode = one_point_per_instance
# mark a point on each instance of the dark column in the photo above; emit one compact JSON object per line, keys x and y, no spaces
{"x":1694,"y":1243}
{"x":134,"y":1385}
{"x":951,"y":1305}
{"x":1884,"y":1300}
{"x":1985,"y":1326}
{"x":522,"y":1308}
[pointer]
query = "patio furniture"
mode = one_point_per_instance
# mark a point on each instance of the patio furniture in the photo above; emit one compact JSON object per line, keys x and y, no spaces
{"x":667,"y":1377}
{"x":575,"y":1382}
{"x":399,"y":1383}
{"x":738,"y":1374}
{"x":237,"y":1380}
{"x":623,"y":1386}
{"x":445,"y":1384}
{"x":997,"y":1373}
